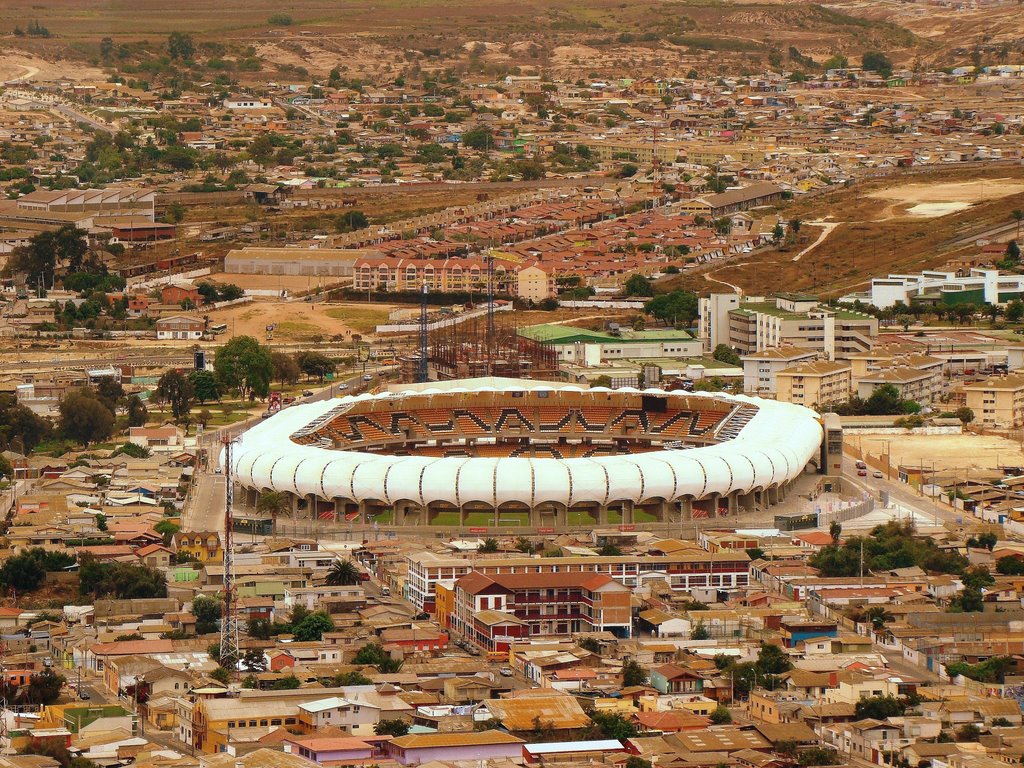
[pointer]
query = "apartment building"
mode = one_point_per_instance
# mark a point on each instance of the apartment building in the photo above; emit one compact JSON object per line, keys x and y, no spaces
{"x":713,"y":318}
{"x":997,"y":402}
{"x":916,"y":377}
{"x":541,"y":604}
{"x":761,"y":368}
{"x":979,"y":286}
{"x":800,"y":321}
{"x":814,"y":383}
{"x":530,"y":281}
{"x":684,"y":571}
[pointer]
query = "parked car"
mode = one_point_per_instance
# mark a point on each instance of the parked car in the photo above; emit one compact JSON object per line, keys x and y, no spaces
{"x":307,"y":393}
{"x":877,"y":473}
{"x":862,"y":473}
{"x":367,"y":377}
{"x":506,"y":671}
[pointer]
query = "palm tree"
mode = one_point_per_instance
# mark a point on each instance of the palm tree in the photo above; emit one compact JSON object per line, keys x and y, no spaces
{"x":342,"y":574}
{"x":878,"y":616}
{"x":274,"y":503}
{"x":1018,"y":216}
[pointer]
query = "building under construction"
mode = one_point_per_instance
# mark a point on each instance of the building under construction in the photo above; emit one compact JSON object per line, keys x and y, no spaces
{"x":488,"y":345}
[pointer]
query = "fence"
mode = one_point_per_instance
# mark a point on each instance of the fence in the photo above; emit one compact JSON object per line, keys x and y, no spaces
{"x":453,"y":320}
{"x":599,"y":304}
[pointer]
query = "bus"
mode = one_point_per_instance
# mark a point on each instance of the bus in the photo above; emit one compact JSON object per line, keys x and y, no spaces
{"x":218,"y":328}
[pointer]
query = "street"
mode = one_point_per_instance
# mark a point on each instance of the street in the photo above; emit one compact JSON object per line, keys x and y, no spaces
{"x":204,"y":509}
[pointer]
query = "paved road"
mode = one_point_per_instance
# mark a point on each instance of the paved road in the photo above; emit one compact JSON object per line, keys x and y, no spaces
{"x":205,"y":508}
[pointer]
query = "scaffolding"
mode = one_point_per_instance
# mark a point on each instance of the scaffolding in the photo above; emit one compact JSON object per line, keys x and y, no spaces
{"x":489,"y":345}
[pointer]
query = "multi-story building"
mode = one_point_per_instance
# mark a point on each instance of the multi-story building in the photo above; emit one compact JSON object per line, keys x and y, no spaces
{"x":799,"y":321}
{"x":541,"y":604}
{"x":713,"y":318}
{"x":760,"y":368}
{"x":386,"y":273}
{"x":685,"y":570}
{"x":916,"y":377}
{"x":589,"y":348}
{"x":980,"y":286}
{"x":814,"y":383}
{"x":998,"y":401}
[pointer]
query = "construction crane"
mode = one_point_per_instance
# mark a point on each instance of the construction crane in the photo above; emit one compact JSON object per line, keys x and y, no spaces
{"x":492,"y":255}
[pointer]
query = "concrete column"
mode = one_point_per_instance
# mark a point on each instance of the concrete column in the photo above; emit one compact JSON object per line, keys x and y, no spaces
{"x":339,"y":509}
{"x":686,"y":508}
{"x":714,"y":504}
{"x":462,"y":516}
{"x":602,"y":514}
{"x":734,"y":503}
{"x":294,"y":500}
{"x":311,"y":506}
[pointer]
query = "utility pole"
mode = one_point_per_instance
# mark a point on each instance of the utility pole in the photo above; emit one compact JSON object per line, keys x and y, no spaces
{"x":229,"y":614}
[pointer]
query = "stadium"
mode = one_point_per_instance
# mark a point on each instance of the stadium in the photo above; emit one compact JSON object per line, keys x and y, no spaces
{"x":507,"y":452}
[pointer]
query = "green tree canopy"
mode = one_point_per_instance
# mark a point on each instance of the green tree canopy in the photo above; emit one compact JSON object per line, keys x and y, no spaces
{"x":243,"y":364}
{"x":83,"y":418}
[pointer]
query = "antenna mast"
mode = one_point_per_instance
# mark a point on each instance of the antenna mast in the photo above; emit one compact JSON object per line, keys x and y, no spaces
{"x":229,"y":615}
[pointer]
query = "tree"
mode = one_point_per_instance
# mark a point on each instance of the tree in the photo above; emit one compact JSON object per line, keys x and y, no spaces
{"x":638,"y":285}
{"x":633,"y":674}
{"x":478,"y":138}
{"x":374,"y":655}
{"x":175,"y":388}
{"x":254,"y":661}
{"x":488,"y":546}
{"x":123,"y":581}
{"x":315,"y":365}
{"x":109,"y":392}
{"x":880,"y":707}
{"x":27,"y":570}
{"x":677,"y":308}
{"x":721,"y":715}
{"x":878,"y":616}
{"x":968,"y":732}
{"x":351,"y":221}
{"x":835,"y":531}
{"x":876,"y":61}
{"x":396,"y":728}
{"x":285,"y":683}
{"x":342,"y":573}
{"x":106,"y":48}
{"x":286,"y":369}
{"x":85,"y":419}
{"x":19,"y":427}
{"x":244,"y":364}
{"x":313,"y":626}
{"x":700,"y":632}
{"x":43,"y":689}
{"x":726,"y":354}
{"x":609,"y":550}
{"x":272,"y":503}
{"x":261,"y":149}
{"x":612,"y":725}
{"x":207,"y":611}
{"x":819,"y":756}
{"x":137,"y":413}
{"x":1018,"y":216}
{"x":1010,"y":565}
{"x":205,"y":387}
{"x":167,"y":529}
{"x":180,"y":46}
{"x":772,"y":660}
{"x":965,"y":414}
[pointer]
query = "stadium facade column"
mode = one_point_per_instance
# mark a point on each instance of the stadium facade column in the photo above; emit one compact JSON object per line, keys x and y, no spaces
{"x":339,"y":509}
{"x":772,"y":492}
{"x":734,"y":503}
{"x":602,"y":514}
{"x":311,"y":506}
{"x":293,"y":500}
{"x":628,"y":515}
{"x":685,"y":508}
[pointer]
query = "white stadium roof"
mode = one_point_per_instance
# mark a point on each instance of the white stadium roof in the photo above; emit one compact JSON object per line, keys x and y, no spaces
{"x":772,"y":448}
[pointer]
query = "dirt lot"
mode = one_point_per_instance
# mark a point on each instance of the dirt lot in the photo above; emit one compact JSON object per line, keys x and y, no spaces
{"x":301,"y":321}
{"x":948,"y":452}
{"x":931,"y":200}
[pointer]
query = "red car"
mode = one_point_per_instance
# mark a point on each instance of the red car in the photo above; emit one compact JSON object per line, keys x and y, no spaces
{"x":862,"y":473}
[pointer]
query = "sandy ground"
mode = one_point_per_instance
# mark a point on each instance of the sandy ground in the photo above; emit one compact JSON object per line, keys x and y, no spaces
{"x":932,"y":200}
{"x":948,"y":452}
{"x":297,"y":320}
{"x":15,"y":65}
